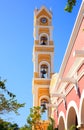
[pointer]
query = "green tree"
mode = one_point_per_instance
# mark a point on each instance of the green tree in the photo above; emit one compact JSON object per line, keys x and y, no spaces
{"x":8,"y":102}
{"x":70,"y":4}
{"x":13,"y":126}
{"x":51,"y":124}
{"x":25,"y":127}
{"x":4,"y":125}
{"x":34,"y":118}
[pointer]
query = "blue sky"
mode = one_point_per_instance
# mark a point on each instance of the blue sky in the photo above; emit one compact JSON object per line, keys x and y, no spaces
{"x":16,"y":45}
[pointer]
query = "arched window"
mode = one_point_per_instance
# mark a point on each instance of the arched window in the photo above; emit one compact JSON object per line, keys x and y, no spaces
{"x":43,"y":40}
{"x":44,"y":101}
{"x":44,"y":71}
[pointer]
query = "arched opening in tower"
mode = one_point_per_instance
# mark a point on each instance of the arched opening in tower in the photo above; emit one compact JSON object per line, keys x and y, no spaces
{"x":44,"y":101}
{"x":44,"y":71}
{"x":43,"y":40}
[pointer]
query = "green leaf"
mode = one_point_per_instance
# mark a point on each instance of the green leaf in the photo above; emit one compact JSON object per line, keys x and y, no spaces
{"x":69,"y":6}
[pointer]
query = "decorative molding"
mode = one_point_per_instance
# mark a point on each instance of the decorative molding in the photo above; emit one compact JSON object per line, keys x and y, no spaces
{"x":81,"y":74}
{"x":36,"y":63}
{"x":43,"y":7}
{"x":57,"y":95}
{"x":44,"y":53}
{"x":54,"y":106}
{"x":49,"y":46}
{"x":40,"y":26}
{"x":78,"y":53}
{"x":49,"y":20}
{"x":35,"y":33}
{"x":72,"y":85}
{"x":69,"y":80}
{"x":74,"y":81}
{"x":51,"y":105}
{"x":60,"y":96}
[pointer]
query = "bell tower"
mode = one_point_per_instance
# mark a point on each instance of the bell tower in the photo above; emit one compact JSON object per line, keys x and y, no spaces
{"x":43,"y":55}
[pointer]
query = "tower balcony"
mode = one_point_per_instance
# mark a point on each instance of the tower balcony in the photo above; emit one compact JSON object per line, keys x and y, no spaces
{"x":41,"y":81}
{"x":44,"y":48}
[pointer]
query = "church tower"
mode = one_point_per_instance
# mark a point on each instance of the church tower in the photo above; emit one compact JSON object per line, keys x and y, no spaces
{"x":43,"y":55}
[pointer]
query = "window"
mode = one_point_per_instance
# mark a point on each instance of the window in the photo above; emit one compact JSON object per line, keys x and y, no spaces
{"x":44,"y":71}
{"x":43,"y":40}
{"x":43,"y":106}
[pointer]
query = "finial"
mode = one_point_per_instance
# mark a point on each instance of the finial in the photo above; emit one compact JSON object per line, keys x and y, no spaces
{"x":50,"y":9}
{"x":36,"y":8}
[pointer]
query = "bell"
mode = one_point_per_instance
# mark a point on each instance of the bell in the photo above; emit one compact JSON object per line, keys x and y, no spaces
{"x":43,"y":72}
{"x":43,"y":43}
{"x":43,"y":107}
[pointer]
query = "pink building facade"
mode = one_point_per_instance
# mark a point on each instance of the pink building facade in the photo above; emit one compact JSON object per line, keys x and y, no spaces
{"x":67,"y":93}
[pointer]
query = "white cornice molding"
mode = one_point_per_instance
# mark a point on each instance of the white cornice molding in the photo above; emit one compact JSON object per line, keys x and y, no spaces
{"x":81,"y":74}
{"x":57,"y":95}
{"x":61,"y":96}
{"x":40,"y":26}
{"x":51,"y":105}
{"x":70,"y":80}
